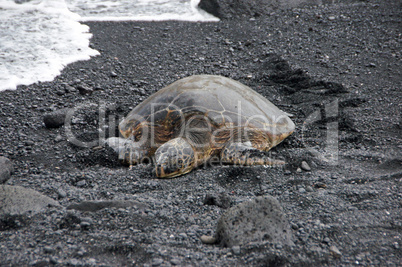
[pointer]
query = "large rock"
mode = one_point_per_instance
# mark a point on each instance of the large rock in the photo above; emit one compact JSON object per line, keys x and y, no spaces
{"x":258,"y":220}
{"x":235,"y":9}
{"x":6,"y":169}
{"x":17,"y":200}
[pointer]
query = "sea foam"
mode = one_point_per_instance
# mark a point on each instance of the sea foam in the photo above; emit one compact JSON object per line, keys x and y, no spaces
{"x":140,"y":10}
{"x":38,"y":39}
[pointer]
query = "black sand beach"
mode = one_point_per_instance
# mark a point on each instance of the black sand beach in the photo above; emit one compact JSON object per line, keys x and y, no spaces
{"x":332,"y":67}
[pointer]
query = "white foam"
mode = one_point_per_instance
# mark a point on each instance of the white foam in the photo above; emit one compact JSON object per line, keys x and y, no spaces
{"x":139,"y":10}
{"x":38,"y":39}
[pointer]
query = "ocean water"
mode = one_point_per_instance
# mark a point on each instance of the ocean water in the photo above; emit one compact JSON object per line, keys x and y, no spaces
{"x":38,"y":38}
{"x":139,"y":10}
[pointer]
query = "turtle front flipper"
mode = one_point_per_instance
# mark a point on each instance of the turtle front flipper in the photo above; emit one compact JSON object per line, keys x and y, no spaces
{"x":129,"y":151}
{"x":244,"y":154}
{"x":174,"y":158}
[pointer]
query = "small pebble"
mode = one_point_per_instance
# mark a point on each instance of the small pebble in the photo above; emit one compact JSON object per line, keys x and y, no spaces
{"x":48,"y":249}
{"x":58,"y":138}
{"x":206,"y":239}
{"x":69,"y":88}
{"x":29,"y":143}
{"x":175,"y":261}
{"x":302,"y":190}
{"x":183,"y":235}
{"x":236,"y":250}
{"x":73,"y":262}
{"x":81,"y":183}
{"x":335,"y":251}
{"x":331,"y":18}
{"x":309,"y":189}
{"x":157,"y":262}
{"x":85,"y":225}
{"x":298,"y":170}
{"x":60,"y":92}
{"x":305,"y":166}
{"x":84,"y":89}
{"x":61,"y":193}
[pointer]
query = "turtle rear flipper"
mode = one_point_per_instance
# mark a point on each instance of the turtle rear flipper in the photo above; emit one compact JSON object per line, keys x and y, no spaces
{"x":244,"y":154}
{"x":174,"y":158}
{"x":129,"y":151}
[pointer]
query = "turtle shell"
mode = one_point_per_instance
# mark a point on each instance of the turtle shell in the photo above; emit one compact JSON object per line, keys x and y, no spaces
{"x":220,"y":100}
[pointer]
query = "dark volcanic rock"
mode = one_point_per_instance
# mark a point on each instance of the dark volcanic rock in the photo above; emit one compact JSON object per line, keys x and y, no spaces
{"x":6,"y":169}
{"x":19,"y":200}
{"x":221,"y":200}
{"x":234,"y":9}
{"x":55,"y":118}
{"x":10,"y":222}
{"x":84,"y":89}
{"x":211,"y":6}
{"x":260,"y":219}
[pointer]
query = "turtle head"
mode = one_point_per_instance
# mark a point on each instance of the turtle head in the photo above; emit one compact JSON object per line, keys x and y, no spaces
{"x":129,"y":152}
{"x":174,"y":158}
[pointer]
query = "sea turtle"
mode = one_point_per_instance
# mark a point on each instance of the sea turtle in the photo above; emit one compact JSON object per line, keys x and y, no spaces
{"x":199,"y":118}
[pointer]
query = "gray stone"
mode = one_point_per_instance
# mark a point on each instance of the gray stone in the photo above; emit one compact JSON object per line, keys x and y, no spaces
{"x":48,"y":249}
{"x":302,"y":190}
{"x":6,"y":169}
{"x":305,"y":166}
{"x":157,"y":262}
{"x":61,"y":193}
{"x":55,"y":118}
{"x":236,"y":250}
{"x":183,"y":235}
{"x":58,"y":138}
{"x":206,"y":239}
{"x":85,"y":225}
{"x":84,"y":89}
{"x":260,"y":219}
{"x":17,"y":200}
{"x":81,"y":183}
{"x":335,"y":251}
{"x":309,"y":189}
{"x":175,"y":261}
